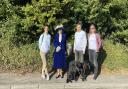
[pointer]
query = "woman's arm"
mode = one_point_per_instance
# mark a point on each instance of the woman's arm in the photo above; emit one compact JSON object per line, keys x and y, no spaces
{"x":40,"y":41}
{"x":49,"y":41}
{"x":99,"y":42}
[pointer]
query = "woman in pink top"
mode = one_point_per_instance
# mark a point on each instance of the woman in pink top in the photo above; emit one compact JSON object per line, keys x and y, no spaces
{"x":94,"y":45}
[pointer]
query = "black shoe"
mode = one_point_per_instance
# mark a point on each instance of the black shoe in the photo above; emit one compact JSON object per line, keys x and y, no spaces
{"x":95,"y":77}
{"x":68,"y":81}
{"x":57,"y":76}
{"x":82,"y":79}
{"x":62,"y":76}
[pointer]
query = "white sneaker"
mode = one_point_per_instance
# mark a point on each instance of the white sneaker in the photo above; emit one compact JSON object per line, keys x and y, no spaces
{"x":43,"y":76}
{"x":47,"y":77}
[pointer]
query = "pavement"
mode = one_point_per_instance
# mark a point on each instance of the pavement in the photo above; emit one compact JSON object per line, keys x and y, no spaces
{"x":34,"y":81}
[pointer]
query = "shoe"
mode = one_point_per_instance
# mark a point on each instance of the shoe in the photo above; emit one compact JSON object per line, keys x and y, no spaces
{"x":62,"y":76}
{"x":43,"y":76}
{"x":57,"y":76}
{"x":47,"y":78}
{"x":95,"y":77}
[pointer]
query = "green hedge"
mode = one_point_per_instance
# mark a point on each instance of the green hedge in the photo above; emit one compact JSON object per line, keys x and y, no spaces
{"x":27,"y":56}
{"x":23,"y":57}
{"x":116,"y":55}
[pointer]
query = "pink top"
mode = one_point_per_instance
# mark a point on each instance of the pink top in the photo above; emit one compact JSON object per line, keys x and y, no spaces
{"x":98,"y":41}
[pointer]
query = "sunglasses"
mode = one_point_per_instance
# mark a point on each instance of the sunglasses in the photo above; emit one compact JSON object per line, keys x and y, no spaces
{"x":92,"y":28}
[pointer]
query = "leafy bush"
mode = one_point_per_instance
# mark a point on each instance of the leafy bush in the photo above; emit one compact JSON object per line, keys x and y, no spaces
{"x":24,"y":57}
{"x":111,"y":16}
{"x":121,"y":37}
{"x":27,"y":56}
{"x":116,"y":55}
{"x":21,"y":24}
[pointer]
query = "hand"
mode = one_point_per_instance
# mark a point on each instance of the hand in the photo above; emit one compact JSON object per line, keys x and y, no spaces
{"x":58,"y":49}
{"x":97,"y":50}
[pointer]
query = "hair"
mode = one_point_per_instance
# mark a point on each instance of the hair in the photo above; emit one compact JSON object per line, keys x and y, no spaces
{"x":79,"y":24}
{"x":92,"y":24}
{"x":44,"y":26}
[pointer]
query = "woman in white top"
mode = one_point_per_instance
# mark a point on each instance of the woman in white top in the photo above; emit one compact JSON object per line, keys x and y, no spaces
{"x":44,"y":46}
{"x":80,"y":43}
{"x":94,"y":44}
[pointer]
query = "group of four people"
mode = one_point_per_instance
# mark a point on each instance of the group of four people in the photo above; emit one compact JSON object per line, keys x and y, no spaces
{"x":92,"y":41}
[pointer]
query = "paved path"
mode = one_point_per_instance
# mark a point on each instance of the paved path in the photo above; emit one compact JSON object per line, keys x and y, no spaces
{"x":33,"y":81}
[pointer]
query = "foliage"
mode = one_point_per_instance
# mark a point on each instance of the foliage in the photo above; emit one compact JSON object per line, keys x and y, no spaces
{"x":111,"y":17}
{"x":116,"y":55}
{"x":25,"y":57}
{"x":121,"y":37}
{"x":22,"y":21}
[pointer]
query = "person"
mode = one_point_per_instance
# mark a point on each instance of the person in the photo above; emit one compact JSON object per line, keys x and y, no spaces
{"x":44,"y":46}
{"x":94,"y":45}
{"x":59,"y":62}
{"x":80,"y":43}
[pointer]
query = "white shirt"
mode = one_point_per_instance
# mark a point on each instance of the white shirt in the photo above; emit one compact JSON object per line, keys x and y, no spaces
{"x":92,"y":42}
{"x":44,"y":42}
{"x":80,"y":41}
{"x":60,"y":37}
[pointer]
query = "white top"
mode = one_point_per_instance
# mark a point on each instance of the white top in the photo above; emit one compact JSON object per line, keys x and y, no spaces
{"x":44,"y":42}
{"x":92,"y":42}
{"x":80,"y":41}
{"x":60,"y":37}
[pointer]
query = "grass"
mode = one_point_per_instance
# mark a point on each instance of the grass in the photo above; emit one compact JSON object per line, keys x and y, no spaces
{"x":116,"y":55}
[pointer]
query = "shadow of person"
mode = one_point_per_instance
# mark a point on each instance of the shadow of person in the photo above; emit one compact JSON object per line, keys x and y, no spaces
{"x":69,"y":58}
{"x":52,"y":72}
{"x":101,"y":58}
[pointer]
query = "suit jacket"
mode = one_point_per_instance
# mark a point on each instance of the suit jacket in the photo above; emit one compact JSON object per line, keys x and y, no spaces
{"x":62,"y":44}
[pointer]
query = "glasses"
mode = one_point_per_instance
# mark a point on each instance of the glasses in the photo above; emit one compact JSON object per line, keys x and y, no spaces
{"x":92,"y":28}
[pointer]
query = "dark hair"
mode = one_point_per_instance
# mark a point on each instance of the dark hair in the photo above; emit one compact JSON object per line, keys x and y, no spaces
{"x":44,"y":26}
{"x":79,"y":23}
{"x":93,"y":25}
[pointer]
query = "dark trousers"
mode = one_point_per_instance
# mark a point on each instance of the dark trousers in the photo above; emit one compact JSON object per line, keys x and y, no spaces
{"x":93,"y":55}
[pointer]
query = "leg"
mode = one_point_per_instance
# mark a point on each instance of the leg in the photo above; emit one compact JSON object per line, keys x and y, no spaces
{"x":58,"y":73}
{"x":95,"y":65}
{"x":43,"y":62}
{"x":91,"y":60}
{"x":81,"y":57}
{"x":90,"y":57}
{"x":61,"y":73}
{"x":46,"y":70}
{"x":76,"y":56}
